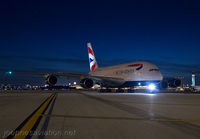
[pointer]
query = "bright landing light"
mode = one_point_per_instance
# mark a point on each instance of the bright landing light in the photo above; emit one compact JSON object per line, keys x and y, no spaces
{"x":151,"y":87}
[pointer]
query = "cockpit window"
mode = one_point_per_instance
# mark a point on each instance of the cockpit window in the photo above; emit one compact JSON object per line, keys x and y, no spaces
{"x":153,"y":69}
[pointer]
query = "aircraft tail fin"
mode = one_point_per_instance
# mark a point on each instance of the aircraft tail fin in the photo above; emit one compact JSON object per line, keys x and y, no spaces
{"x":92,"y":59}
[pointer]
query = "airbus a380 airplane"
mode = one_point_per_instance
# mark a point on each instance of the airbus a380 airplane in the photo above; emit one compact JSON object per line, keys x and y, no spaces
{"x":139,"y":73}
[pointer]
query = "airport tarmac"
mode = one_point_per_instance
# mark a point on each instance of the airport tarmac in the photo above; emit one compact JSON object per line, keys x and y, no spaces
{"x":82,"y":114}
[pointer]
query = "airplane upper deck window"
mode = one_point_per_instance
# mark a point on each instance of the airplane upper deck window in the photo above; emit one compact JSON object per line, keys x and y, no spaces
{"x":153,"y":69}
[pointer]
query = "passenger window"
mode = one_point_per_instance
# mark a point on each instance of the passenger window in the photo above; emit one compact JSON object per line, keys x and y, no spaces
{"x":153,"y":69}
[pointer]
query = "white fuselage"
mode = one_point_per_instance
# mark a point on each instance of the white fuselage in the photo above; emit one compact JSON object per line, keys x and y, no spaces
{"x":134,"y":71}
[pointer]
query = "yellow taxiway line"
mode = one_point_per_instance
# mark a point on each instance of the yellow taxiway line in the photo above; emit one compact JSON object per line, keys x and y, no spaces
{"x":30,"y":123}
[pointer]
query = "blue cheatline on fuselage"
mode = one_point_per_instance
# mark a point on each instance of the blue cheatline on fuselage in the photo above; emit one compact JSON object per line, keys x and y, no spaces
{"x":140,"y":83}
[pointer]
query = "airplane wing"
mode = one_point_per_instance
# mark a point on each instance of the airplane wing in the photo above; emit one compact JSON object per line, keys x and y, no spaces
{"x":106,"y":81}
{"x":71,"y":74}
{"x":97,"y":79}
{"x":66,"y":74}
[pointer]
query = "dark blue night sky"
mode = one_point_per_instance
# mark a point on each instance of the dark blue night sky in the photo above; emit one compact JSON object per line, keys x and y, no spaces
{"x":51,"y":36}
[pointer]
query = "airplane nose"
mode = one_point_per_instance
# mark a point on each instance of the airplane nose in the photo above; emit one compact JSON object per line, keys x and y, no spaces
{"x":158,"y":76}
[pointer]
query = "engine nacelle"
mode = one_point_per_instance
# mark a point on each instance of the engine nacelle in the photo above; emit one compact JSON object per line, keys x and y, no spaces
{"x":170,"y":82}
{"x":51,"y":80}
{"x":87,"y":83}
{"x":174,"y":82}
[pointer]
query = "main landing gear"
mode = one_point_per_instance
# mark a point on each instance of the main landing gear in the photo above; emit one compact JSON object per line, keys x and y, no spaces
{"x":116,"y":90}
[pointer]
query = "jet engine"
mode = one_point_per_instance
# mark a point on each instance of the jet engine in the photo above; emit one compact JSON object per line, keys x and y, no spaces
{"x":174,"y":82}
{"x":170,"y":82}
{"x":87,"y":83}
{"x":51,"y":80}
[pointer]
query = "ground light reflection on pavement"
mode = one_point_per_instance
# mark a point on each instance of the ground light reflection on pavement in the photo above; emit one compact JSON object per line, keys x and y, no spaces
{"x":82,"y":114}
